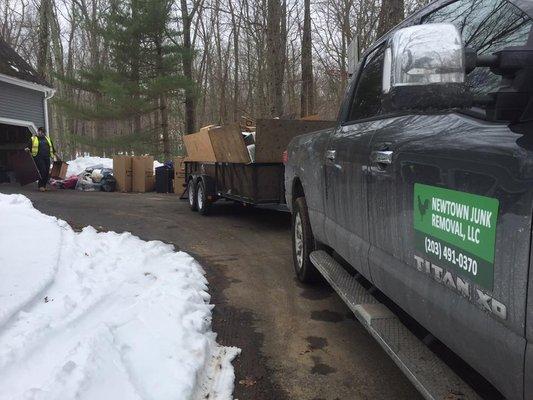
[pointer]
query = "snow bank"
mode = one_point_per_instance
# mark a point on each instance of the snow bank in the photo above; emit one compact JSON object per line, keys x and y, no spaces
{"x":102,"y":315}
{"x":78,"y":165}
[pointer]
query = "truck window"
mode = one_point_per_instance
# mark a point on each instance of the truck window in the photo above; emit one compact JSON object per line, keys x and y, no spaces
{"x":368,"y":95}
{"x":487,"y":26}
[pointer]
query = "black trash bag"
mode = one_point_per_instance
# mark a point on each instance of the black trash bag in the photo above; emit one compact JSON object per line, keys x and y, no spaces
{"x":86,"y":184}
{"x":108,"y":182}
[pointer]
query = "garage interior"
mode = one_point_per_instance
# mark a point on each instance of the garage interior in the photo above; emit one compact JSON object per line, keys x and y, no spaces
{"x":13,"y":159}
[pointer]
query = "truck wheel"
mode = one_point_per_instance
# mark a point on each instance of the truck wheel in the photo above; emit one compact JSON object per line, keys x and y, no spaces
{"x":303,"y":243}
{"x":202,"y":202}
{"x":191,"y":193}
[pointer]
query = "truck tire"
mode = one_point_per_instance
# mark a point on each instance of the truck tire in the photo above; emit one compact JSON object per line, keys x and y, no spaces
{"x":191,"y":195}
{"x":202,"y":201}
{"x":303,"y":243}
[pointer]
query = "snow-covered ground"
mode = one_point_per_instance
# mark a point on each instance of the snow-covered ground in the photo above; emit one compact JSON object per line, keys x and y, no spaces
{"x":88,"y":315}
{"x":78,"y":165}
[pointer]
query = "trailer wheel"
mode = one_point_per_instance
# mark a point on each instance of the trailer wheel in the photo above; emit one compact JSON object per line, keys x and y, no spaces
{"x":191,"y":195}
{"x":303,"y":243}
{"x":202,"y":202}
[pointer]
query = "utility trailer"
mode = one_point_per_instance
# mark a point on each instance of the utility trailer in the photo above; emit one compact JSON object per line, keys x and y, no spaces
{"x":222,"y":163}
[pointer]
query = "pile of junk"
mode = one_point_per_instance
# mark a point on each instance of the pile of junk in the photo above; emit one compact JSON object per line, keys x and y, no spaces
{"x":92,"y":179}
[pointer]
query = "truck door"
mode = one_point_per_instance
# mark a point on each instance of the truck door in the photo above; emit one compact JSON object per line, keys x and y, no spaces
{"x":528,"y":370}
{"x":450,"y":213}
{"x":346,"y":160}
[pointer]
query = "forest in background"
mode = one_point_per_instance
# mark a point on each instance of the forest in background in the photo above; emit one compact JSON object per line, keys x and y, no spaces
{"x":133,"y":76}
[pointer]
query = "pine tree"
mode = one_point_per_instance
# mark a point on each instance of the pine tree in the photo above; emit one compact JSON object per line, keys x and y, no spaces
{"x":143,"y":74}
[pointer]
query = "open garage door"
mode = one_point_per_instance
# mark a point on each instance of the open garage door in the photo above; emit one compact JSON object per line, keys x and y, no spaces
{"x":16,"y":165}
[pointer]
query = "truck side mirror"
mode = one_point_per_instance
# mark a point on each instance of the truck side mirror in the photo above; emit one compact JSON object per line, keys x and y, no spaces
{"x":424,"y":69}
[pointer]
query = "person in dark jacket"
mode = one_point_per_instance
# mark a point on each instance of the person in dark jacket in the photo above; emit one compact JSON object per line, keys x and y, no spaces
{"x":42,"y":149}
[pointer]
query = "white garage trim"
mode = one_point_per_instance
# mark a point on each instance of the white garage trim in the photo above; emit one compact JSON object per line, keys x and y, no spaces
{"x":17,"y":122}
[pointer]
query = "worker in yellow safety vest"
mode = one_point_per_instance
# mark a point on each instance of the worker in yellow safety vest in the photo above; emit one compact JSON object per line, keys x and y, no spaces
{"x":42,"y":149}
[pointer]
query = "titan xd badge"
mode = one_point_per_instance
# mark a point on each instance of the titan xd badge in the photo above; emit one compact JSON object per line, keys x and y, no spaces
{"x":457,"y":230}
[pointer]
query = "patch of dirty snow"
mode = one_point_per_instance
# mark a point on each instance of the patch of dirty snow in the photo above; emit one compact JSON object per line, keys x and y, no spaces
{"x":78,"y":165}
{"x":102,"y":315}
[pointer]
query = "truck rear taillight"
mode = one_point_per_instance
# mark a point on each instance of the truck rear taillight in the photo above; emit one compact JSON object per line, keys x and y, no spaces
{"x":285,"y":157}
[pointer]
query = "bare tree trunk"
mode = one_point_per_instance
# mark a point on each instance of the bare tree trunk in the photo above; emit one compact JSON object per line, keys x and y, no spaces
{"x":220,"y":70}
{"x":236,"y":32}
{"x":135,"y":66}
{"x":69,"y":73}
{"x":390,"y":15}
{"x":280,"y":74}
{"x":190,"y":112}
{"x":58,"y":67}
{"x":275,"y":57}
{"x":163,"y":109}
{"x":307,"y":94}
{"x":92,"y":21}
{"x":163,"y":104}
{"x":43,"y":53}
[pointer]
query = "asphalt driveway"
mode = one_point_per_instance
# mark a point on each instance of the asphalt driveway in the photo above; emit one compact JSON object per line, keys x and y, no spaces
{"x":298,"y":342}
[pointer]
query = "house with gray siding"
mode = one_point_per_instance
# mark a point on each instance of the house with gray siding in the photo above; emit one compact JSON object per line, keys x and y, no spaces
{"x":23,"y":93}
{"x":24,"y":99}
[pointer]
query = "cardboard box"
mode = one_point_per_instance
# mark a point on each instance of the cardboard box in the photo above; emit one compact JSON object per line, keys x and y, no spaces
{"x":228,"y":144}
{"x":273,"y":136}
{"x":59,"y":170}
{"x":179,"y":167}
{"x":178,"y":184}
{"x":207,"y":128}
{"x":199,"y":146}
{"x":217,"y":144}
{"x":143,"y":174}
{"x":122,"y":171}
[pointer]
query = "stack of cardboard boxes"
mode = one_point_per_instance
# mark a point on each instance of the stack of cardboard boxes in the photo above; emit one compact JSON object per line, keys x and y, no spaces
{"x":122,"y":173}
{"x":143,"y":179}
{"x":134,"y":173}
{"x":179,"y":175}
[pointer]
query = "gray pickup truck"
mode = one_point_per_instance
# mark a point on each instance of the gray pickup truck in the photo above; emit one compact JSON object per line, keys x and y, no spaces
{"x":425,"y":189}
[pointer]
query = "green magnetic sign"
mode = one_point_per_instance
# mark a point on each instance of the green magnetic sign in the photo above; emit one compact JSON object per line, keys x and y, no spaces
{"x":457,"y":230}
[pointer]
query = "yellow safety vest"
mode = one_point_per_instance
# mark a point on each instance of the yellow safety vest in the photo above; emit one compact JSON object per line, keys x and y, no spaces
{"x":35,"y":145}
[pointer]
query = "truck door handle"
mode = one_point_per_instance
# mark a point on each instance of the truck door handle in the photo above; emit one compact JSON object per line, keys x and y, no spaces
{"x":331,"y":155}
{"x":381,"y":157}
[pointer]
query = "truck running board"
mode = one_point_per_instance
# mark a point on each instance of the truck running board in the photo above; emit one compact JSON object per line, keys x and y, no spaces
{"x":429,"y":374}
